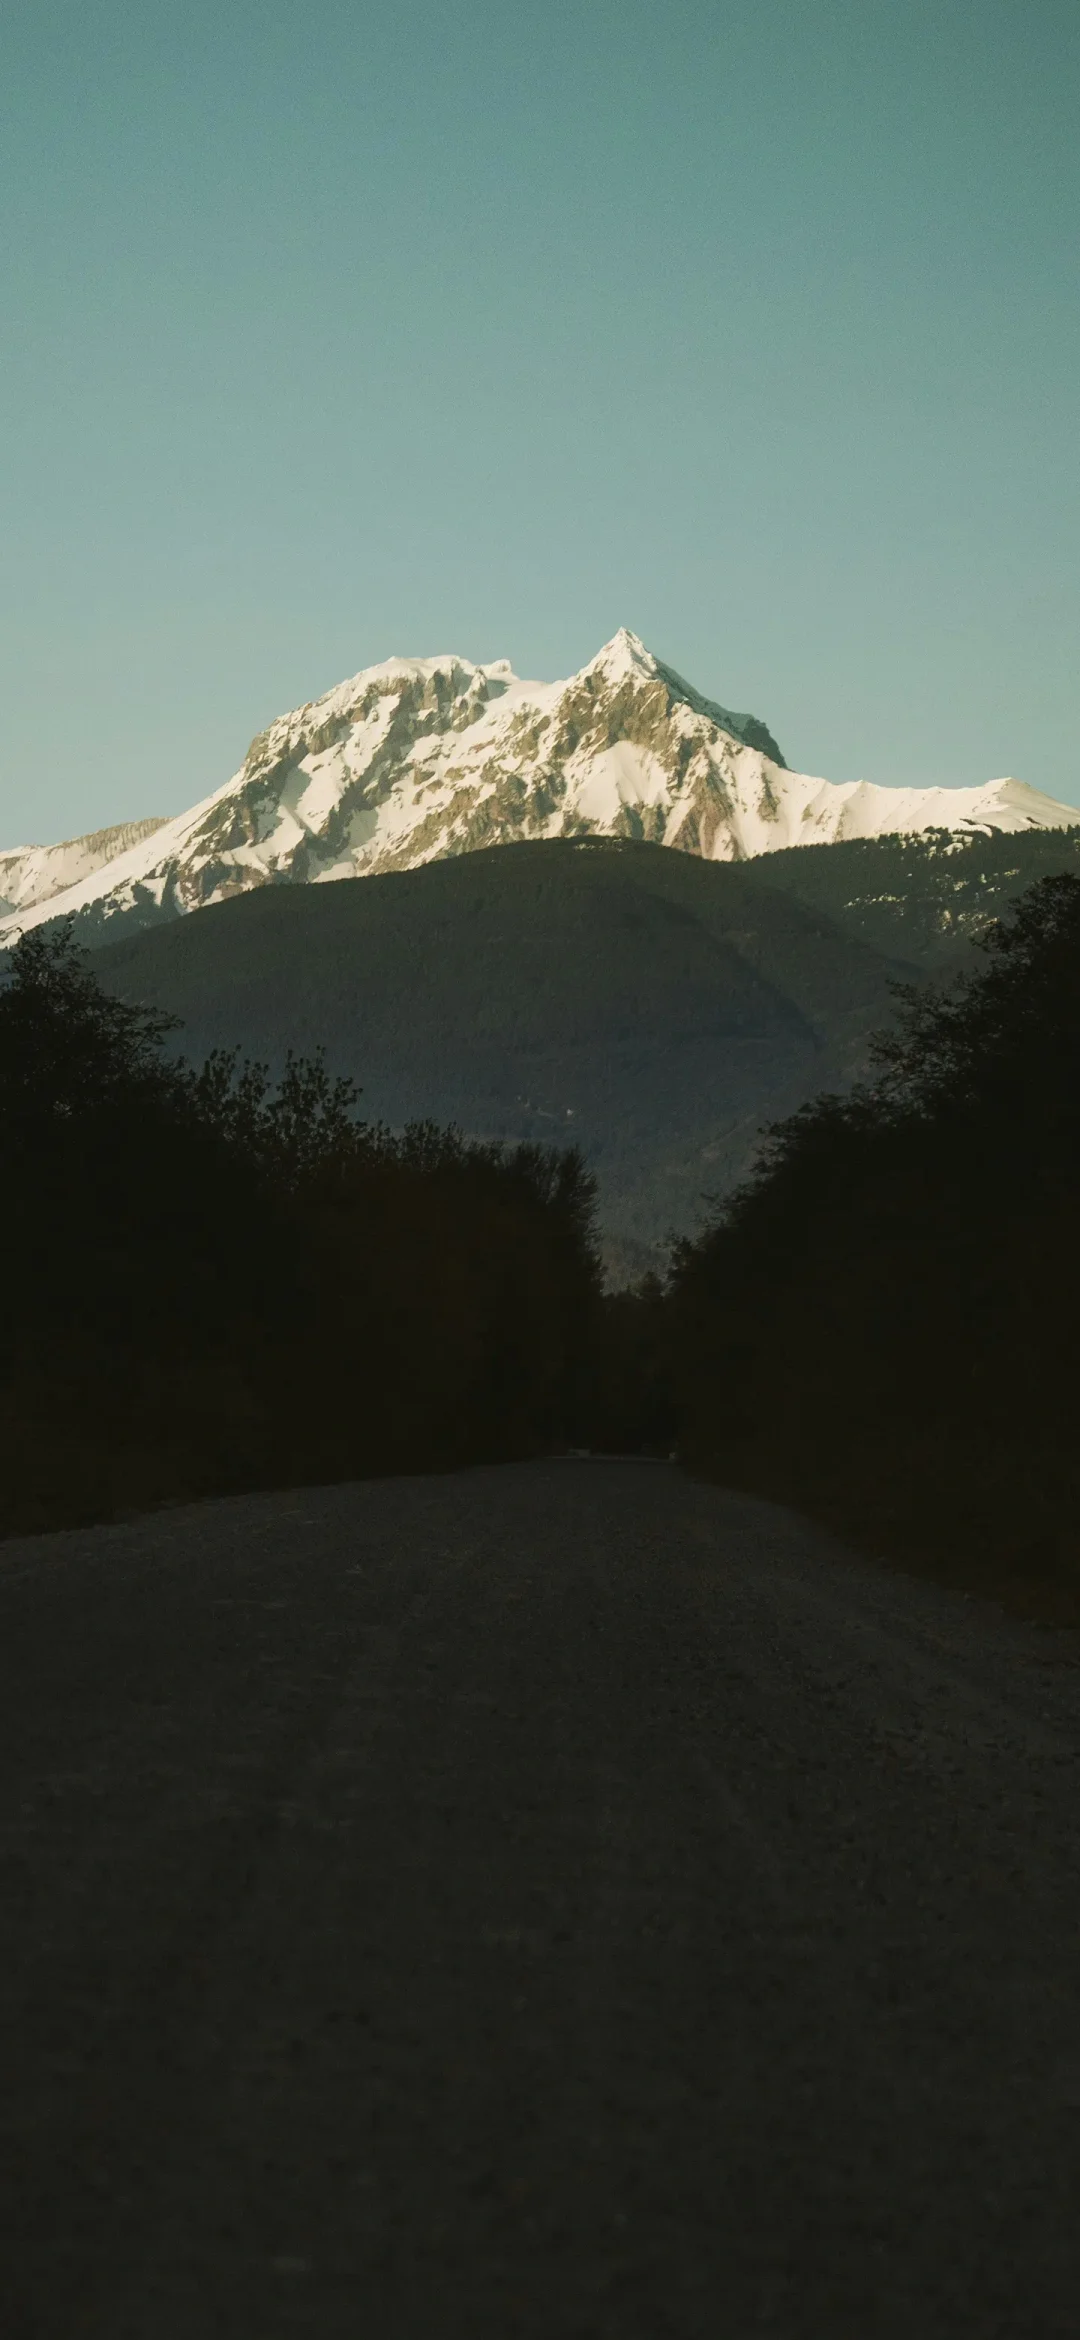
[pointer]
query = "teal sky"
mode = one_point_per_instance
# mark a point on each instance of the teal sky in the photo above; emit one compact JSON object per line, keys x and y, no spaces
{"x":331,"y":331}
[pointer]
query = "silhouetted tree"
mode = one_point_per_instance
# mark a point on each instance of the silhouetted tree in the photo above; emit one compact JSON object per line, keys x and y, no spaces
{"x":884,"y":1319}
{"x":215,"y":1279}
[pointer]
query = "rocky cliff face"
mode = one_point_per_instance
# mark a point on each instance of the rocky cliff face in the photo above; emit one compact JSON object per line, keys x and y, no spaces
{"x":422,"y":758}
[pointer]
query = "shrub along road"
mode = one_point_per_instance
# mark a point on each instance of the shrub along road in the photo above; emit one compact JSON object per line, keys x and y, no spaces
{"x":560,"y":1900}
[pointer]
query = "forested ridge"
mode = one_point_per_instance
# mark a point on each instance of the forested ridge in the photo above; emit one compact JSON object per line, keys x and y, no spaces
{"x":926,"y":897}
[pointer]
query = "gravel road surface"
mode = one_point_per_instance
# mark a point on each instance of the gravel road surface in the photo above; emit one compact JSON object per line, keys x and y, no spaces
{"x":559,"y":1902}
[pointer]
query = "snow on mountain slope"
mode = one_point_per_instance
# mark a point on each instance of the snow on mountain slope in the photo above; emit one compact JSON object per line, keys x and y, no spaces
{"x":421,"y":758}
{"x":34,"y":873}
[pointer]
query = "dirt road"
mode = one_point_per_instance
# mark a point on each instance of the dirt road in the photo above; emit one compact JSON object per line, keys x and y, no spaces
{"x":552,"y":1903}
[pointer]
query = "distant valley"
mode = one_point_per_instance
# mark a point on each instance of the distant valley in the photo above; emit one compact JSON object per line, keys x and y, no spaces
{"x":526,"y":956}
{"x":650,"y":1007}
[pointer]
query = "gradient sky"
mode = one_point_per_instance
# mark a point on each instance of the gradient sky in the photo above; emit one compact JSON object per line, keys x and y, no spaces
{"x":329,"y":331}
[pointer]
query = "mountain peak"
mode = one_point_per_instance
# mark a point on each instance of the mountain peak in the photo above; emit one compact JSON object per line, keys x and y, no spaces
{"x":419,"y":759}
{"x":627,"y":658}
{"x":624,"y":654}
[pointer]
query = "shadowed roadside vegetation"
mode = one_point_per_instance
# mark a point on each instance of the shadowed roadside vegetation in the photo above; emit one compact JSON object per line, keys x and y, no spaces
{"x":881,"y":1325}
{"x":214,"y":1281}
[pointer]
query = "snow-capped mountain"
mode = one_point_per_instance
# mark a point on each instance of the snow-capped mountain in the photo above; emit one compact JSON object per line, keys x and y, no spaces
{"x":421,"y":758}
{"x":34,"y":873}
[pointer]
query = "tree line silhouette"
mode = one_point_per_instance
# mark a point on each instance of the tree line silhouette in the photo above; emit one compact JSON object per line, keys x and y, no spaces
{"x":216,"y":1281}
{"x":882,"y":1323}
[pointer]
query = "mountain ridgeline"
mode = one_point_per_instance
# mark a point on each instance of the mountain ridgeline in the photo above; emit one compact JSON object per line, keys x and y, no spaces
{"x":422,"y":759}
{"x":656,"y":1010}
{"x":926,"y":898}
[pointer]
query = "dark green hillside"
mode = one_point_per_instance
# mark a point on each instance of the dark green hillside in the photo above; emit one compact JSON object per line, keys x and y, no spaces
{"x":651,"y":1007}
{"x":925,"y":898}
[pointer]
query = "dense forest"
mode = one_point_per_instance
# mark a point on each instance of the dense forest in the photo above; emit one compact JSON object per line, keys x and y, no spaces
{"x":215,"y":1281}
{"x":882,"y":1323}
